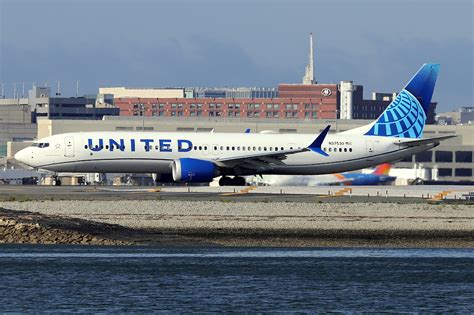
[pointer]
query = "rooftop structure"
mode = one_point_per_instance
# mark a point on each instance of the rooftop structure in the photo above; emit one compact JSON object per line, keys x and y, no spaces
{"x":309,"y":71}
{"x":119,"y":92}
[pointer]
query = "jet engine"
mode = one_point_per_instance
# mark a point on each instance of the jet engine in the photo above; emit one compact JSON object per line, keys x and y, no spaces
{"x":194,"y":170}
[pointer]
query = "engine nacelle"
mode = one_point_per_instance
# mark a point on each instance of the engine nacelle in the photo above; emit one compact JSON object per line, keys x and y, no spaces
{"x":194,"y":170}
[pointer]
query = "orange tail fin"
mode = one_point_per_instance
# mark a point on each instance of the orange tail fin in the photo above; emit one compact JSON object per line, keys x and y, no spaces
{"x":382,"y":169}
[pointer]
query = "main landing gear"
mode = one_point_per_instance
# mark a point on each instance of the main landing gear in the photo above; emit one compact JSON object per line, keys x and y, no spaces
{"x":236,"y":181}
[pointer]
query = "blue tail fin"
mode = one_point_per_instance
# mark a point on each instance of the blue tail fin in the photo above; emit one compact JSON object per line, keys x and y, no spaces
{"x":405,"y":117}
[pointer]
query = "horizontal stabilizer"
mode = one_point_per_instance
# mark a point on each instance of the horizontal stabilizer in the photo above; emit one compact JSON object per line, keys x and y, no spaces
{"x":415,"y":143}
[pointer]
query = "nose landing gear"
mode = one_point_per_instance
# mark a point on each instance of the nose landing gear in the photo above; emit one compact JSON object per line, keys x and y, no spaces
{"x":235,"y":181}
{"x":56,"y":181}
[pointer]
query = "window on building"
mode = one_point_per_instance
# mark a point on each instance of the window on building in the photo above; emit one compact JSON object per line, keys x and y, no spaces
{"x":463,"y":172}
{"x":426,"y":156}
{"x":287,"y":130}
{"x":269,"y":106}
{"x":288,"y":106}
{"x":276,"y":106}
{"x":444,"y":156}
{"x":445,"y":172}
{"x":463,"y":156}
{"x":185,"y":129}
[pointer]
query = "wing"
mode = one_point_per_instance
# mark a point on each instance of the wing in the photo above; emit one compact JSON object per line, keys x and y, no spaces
{"x":265,"y":160}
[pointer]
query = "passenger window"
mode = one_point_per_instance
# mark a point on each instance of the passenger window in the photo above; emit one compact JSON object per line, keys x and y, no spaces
{"x":227,"y":148}
{"x":330,"y":150}
{"x":345,"y":149}
{"x":254,"y":148}
{"x":195,"y":148}
{"x":85,"y":147}
{"x":259,"y":148}
{"x":233,"y":148}
{"x":215,"y":148}
{"x":340,"y":149}
{"x":107,"y":146}
{"x":264,"y":148}
{"x":238,"y":148}
{"x":222,"y":148}
{"x":249,"y":148}
{"x":282,"y":149}
{"x":200,"y":148}
{"x":205,"y":148}
{"x":350,"y":149}
{"x":156,"y":147}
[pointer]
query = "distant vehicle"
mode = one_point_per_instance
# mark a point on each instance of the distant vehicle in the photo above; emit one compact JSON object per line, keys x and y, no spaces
{"x":198,"y":157}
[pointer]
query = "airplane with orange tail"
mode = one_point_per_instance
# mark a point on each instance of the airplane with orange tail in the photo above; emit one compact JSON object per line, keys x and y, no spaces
{"x":378,"y":177}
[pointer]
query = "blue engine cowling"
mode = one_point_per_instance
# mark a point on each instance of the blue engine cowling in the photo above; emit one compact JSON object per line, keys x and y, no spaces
{"x":194,"y":170}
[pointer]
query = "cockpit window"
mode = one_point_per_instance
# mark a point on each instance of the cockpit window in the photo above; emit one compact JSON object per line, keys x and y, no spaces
{"x":40,"y":144}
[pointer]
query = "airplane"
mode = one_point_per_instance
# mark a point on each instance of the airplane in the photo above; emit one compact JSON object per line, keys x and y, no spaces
{"x":198,"y":157}
{"x":379,"y":176}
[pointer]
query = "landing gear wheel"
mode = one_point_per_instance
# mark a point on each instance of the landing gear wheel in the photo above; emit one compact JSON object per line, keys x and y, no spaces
{"x":225,"y":181}
{"x":238,"y":181}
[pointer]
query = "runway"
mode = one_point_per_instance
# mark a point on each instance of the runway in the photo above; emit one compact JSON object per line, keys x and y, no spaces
{"x":404,"y":194}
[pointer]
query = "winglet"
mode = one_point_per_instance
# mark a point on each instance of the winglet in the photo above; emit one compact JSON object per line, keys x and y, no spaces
{"x":316,"y":145}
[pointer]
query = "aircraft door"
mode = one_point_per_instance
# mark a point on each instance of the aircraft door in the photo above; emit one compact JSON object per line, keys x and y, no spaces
{"x":69,"y":146}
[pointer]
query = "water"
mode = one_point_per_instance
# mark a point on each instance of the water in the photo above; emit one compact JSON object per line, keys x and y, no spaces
{"x":132,"y":279}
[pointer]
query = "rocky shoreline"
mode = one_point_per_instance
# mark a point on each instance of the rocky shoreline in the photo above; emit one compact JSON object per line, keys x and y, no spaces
{"x":26,"y":227}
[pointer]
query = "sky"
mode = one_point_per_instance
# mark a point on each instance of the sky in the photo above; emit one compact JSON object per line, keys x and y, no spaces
{"x":138,"y":43}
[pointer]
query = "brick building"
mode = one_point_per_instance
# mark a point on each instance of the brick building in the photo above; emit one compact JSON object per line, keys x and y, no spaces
{"x":296,"y":101}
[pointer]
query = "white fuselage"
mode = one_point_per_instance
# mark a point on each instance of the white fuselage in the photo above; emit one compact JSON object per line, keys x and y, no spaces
{"x":154,"y":152}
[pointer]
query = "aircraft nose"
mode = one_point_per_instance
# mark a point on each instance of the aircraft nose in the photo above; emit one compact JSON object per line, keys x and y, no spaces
{"x":22,"y":156}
